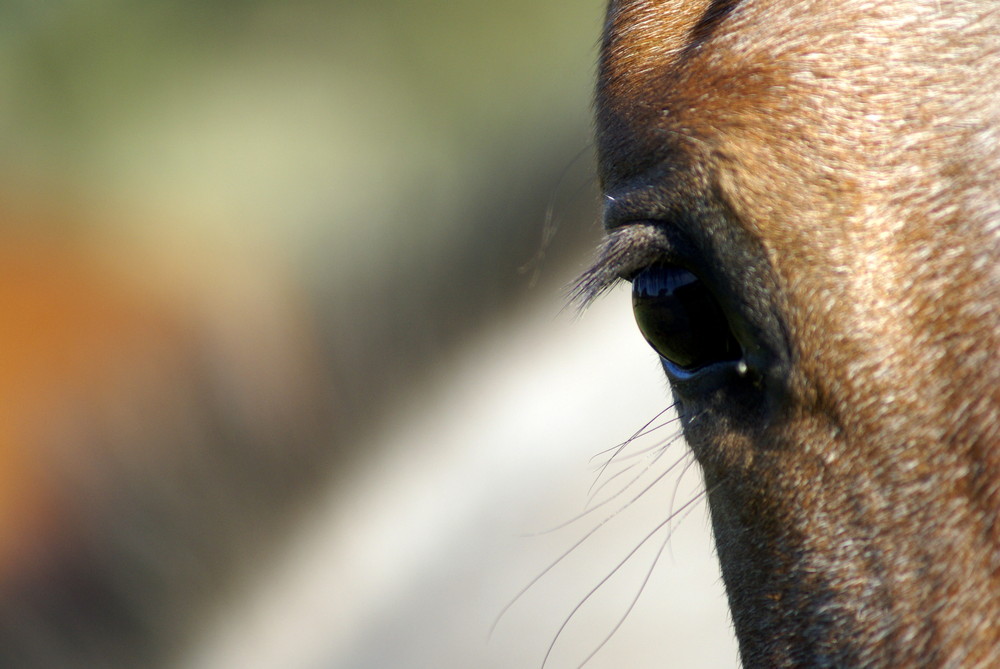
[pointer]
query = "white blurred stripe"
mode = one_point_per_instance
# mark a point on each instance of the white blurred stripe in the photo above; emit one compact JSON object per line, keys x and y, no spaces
{"x":409,"y":564}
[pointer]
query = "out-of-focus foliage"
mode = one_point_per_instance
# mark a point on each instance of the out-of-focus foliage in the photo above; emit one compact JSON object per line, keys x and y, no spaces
{"x":298,"y":113}
{"x":357,"y":141}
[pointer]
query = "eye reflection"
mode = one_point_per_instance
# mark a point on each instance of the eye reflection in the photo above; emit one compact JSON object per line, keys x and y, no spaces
{"x":680,"y":318}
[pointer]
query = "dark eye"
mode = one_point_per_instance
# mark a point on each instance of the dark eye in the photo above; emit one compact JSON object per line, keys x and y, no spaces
{"x":681,"y":319}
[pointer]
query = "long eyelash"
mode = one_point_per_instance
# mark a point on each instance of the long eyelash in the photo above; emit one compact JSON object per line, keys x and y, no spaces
{"x":623,"y":253}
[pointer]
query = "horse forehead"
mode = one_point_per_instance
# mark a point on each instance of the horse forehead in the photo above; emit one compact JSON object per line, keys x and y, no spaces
{"x":647,"y":44}
{"x":853,"y":71}
{"x":665,"y":62}
{"x":647,"y":40}
{"x":642,"y":35}
{"x":672,"y":71}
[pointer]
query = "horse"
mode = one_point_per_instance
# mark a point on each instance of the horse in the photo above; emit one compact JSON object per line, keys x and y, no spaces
{"x":804,"y":195}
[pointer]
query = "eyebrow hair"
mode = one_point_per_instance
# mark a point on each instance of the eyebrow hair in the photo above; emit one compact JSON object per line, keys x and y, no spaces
{"x":624,"y":252}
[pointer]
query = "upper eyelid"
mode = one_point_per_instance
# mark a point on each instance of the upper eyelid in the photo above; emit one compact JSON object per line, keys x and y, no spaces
{"x":635,"y":204}
{"x":640,"y":221}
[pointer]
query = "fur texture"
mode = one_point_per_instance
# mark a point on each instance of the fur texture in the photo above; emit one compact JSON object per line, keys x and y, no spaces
{"x":830,"y":169}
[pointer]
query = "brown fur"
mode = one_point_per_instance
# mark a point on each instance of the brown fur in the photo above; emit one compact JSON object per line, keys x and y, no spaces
{"x":832,"y":169}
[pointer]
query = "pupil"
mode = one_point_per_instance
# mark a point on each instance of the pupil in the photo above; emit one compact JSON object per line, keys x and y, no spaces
{"x":681,"y":319}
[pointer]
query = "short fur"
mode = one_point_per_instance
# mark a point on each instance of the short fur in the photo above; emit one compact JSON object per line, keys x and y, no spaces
{"x":831,"y":168}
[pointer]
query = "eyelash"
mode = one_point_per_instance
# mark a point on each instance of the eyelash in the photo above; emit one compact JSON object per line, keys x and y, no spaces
{"x":626,"y":252}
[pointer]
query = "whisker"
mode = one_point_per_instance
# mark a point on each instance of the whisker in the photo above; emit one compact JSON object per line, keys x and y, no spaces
{"x":648,"y":432}
{"x":586,"y":536}
{"x":641,"y":432}
{"x":614,"y":496}
{"x":702,"y":494}
{"x":539,"y":577}
{"x":625,"y":444}
{"x":689,"y":455}
{"x":607,"y":578}
{"x":627,"y":468}
{"x":662,"y":446}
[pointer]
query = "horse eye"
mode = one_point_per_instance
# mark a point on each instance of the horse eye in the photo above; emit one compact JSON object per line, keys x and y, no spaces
{"x":681,"y":319}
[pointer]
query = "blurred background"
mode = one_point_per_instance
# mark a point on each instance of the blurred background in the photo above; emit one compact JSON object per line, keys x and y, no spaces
{"x":287,"y":377}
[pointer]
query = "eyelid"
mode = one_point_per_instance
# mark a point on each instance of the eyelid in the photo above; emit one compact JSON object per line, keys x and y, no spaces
{"x":642,"y":200}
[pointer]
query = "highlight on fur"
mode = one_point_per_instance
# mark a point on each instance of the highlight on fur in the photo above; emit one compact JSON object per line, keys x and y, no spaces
{"x":827,"y":171}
